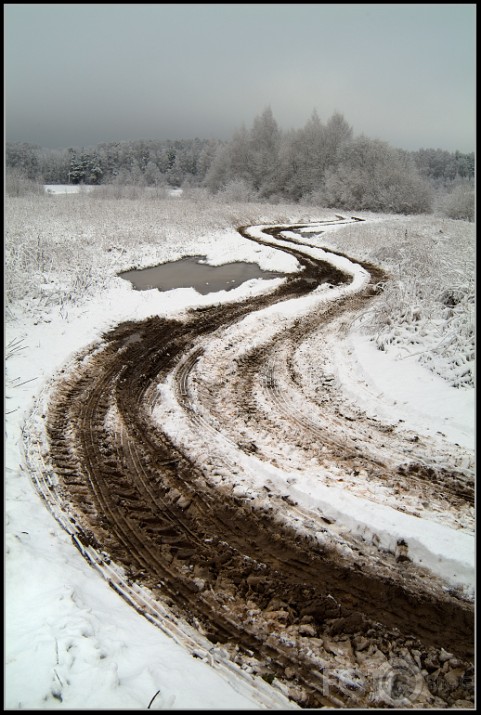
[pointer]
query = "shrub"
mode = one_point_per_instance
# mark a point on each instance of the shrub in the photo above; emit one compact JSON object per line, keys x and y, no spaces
{"x":459,"y":204}
{"x":17,"y":184}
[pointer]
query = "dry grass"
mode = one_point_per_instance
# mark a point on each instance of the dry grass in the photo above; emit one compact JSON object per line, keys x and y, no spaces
{"x":61,"y":249}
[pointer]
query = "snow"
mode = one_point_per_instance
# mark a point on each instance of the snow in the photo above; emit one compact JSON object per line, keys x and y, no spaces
{"x":446,"y":552}
{"x":59,"y":189}
{"x":71,"y":642}
{"x":404,"y":390}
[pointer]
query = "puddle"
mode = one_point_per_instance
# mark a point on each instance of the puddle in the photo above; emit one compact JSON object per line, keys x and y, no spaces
{"x":194,"y":272}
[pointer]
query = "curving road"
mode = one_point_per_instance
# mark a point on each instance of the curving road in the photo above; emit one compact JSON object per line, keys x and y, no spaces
{"x":245,"y":576}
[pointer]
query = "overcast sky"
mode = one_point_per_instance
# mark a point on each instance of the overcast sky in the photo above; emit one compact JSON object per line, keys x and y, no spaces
{"x":77,"y":75}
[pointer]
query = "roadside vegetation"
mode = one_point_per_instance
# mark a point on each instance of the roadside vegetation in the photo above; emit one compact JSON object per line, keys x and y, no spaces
{"x":62,"y":257}
{"x":320,"y":164}
{"x":61,"y":250}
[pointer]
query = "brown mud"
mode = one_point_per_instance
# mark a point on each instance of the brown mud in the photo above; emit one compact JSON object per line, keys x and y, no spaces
{"x":334,"y":628}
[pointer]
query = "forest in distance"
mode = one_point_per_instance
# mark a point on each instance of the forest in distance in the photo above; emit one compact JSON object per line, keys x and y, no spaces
{"x":319,"y":164}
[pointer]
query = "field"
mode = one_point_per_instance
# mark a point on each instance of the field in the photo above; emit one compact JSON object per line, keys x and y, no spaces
{"x":276,"y":479}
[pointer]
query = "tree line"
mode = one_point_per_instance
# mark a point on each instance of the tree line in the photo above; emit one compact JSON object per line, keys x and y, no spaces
{"x":320,"y":163}
{"x":147,"y":162}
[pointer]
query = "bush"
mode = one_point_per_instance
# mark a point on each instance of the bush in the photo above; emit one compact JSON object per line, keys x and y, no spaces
{"x":459,"y":204}
{"x":17,"y":184}
{"x":237,"y":190}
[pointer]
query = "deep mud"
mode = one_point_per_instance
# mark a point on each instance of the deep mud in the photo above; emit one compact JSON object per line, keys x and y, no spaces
{"x":332,"y":626}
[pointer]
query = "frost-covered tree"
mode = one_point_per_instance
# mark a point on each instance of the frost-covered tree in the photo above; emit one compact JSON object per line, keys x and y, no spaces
{"x":54,"y":166}
{"x":152,"y":175}
{"x":23,"y":157}
{"x":218,"y":173}
{"x":240,"y":157}
{"x":232,"y":163}
{"x":205,"y":158}
{"x":288,"y":165}
{"x":464,"y":165}
{"x":372,"y":175}
{"x":302,"y":159}
{"x":307,"y":154}
{"x":442,"y":167}
{"x":337,"y":133}
{"x":136,"y":174}
{"x":85,"y":167}
{"x":264,"y":142}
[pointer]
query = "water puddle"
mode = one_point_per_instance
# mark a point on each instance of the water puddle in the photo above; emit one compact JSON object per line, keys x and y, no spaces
{"x":194,"y":272}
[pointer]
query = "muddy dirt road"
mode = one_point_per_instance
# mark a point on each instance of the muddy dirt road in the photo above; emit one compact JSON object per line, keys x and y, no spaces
{"x":331,"y":620}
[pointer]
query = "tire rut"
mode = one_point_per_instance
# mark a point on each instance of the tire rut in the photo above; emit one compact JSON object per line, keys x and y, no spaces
{"x":276,"y":602}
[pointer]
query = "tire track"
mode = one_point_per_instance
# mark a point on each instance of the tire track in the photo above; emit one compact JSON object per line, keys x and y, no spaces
{"x":145,"y":512}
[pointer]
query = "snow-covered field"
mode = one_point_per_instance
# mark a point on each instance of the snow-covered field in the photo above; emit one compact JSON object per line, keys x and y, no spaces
{"x":59,"y":189}
{"x":71,"y":642}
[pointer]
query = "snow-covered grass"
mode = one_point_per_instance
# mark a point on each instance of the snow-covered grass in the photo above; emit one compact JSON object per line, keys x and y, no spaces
{"x":428,"y":305}
{"x":57,"y":189}
{"x":71,"y":642}
{"x":70,"y":245}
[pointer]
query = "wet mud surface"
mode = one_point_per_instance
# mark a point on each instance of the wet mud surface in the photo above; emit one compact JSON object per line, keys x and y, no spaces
{"x":195,"y":272}
{"x":333,"y":622}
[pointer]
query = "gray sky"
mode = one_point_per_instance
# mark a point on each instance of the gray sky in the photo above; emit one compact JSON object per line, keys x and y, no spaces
{"x":77,"y":75}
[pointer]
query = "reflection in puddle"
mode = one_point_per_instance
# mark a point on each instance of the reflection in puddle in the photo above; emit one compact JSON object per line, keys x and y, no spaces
{"x":194,"y":272}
